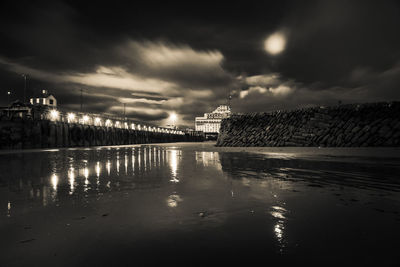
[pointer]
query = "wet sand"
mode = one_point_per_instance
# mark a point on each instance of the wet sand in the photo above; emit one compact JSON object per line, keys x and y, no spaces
{"x":196,"y":204}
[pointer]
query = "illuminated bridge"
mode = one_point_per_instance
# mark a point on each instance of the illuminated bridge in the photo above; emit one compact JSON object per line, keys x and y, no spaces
{"x":32,"y":128}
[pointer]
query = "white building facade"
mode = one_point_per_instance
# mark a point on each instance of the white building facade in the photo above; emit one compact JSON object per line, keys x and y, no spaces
{"x":211,"y":122}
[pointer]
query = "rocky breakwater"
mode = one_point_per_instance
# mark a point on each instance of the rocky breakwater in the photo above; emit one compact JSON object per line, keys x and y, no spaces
{"x":355,"y":125}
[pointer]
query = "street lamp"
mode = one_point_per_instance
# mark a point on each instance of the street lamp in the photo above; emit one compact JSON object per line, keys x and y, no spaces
{"x":8,"y":97}
{"x":54,"y":114}
{"x":124,"y":110}
{"x":71,"y":117}
{"x":173,"y":118}
{"x":24,"y":75}
{"x":85,"y":119}
{"x":97,"y":121}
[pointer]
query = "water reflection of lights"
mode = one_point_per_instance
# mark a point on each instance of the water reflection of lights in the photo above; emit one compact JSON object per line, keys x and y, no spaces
{"x":139,"y":161}
{"x":126,"y":164}
{"x":159,"y":157}
{"x":71,"y":180}
{"x":155,"y":157}
{"x":108,"y":166}
{"x":117,"y":164}
{"x":54,"y":181}
{"x":280,"y":155}
{"x":8,"y":209}
{"x":86,"y":174}
{"x":208,"y":159}
{"x":278,"y":229}
{"x":98,"y":169}
{"x":280,"y":214}
{"x":149,"y":155}
{"x":44,"y":195}
{"x":145,"y":159}
{"x":173,"y":200}
{"x":133,"y":162}
{"x":173,"y":162}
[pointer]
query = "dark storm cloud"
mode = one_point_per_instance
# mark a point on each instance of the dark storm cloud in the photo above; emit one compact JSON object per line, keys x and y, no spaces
{"x":184,"y":58}
{"x":329,"y":39}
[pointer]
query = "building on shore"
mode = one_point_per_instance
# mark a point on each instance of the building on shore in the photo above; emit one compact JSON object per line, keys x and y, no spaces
{"x":45,"y":99}
{"x":210,"y":123}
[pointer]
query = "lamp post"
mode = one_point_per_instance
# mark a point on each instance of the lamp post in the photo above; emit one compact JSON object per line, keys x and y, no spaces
{"x":25,"y":76}
{"x":124,"y":110}
{"x":8,"y":97}
{"x":81,"y":98}
{"x":173,"y":118}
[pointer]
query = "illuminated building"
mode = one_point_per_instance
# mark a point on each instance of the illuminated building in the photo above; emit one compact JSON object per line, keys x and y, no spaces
{"x":45,"y":99}
{"x":211,"y":122}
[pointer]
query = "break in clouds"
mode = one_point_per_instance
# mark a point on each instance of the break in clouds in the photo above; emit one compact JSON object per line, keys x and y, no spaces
{"x":272,"y":58}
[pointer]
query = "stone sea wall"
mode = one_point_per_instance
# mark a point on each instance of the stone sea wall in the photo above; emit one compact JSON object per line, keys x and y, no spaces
{"x":356,"y":125}
{"x":16,"y":134}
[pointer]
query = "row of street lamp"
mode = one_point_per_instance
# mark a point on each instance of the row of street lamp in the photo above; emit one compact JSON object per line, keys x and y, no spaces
{"x":97,"y":121}
{"x":85,"y":119}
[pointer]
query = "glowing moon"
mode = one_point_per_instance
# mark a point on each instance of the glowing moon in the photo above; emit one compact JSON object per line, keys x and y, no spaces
{"x":275,"y":43}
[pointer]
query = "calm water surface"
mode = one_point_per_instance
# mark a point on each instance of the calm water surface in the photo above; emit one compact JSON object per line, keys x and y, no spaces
{"x":193,"y":204}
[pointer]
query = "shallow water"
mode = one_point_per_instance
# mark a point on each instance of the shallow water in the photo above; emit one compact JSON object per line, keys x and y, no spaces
{"x":193,"y":204}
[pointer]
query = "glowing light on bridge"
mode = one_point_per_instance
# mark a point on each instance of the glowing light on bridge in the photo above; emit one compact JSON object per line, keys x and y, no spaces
{"x":54,"y":114}
{"x":85,"y":119}
{"x":97,"y":121}
{"x":92,"y":119}
{"x":71,"y":117}
{"x":173,"y":117}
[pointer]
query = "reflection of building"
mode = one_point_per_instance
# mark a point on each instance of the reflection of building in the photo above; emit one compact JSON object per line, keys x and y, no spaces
{"x":44,"y":99}
{"x":208,"y":159}
{"x":211,"y":122}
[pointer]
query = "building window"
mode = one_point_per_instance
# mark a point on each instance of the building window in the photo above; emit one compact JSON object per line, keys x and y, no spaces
{"x":37,"y":100}
{"x":44,"y":101}
{"x":51,"y":101}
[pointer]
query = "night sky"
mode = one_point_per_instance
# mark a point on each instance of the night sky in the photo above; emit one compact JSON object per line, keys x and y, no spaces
{"x":188,"y":57}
